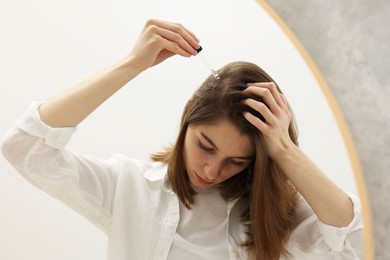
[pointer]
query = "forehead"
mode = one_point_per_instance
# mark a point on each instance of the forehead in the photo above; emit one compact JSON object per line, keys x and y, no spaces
{"x":225,"y":136}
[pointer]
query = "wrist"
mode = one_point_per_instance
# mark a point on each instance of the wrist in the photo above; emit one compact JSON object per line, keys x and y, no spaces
{"x":131,"y":65}
{"x":287,"y":151}
{"x":123,"y":72}
{"x":135,"y":64}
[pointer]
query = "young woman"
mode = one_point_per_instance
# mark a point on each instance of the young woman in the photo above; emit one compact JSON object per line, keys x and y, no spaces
{"x":235,"y":185}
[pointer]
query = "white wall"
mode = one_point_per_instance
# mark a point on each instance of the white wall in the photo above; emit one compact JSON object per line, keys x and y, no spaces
{"x":48,"y":46}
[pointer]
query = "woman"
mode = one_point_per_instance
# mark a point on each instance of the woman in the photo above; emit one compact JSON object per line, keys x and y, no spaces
{"x":234,"y":186}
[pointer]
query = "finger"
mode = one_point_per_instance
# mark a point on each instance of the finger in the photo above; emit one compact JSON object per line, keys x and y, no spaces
{"x":275,"y":92}
{"x":287,"y":107}
{"x":262,"y":109}
{"x":269,"y":92}
{"x":255,"y":121}
{"x":179,"y":29}
{"x":284,"y":100}
{"x":164,"y":47}
{"x":196,"y":46}
{"x":177,"y":39}
{"x":175,"y":48}
{"x":266,"y":94}
{"x":178,"y":33}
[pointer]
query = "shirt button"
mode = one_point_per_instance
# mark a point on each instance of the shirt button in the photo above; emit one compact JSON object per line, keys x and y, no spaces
{"x":236,"y":253}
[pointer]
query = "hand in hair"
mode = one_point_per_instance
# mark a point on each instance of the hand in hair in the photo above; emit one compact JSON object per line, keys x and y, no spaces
{"x":330,"y":203}
{"x":276,"y":113}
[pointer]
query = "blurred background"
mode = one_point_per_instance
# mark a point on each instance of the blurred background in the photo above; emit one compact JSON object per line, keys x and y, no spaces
{"x":350,"y":43}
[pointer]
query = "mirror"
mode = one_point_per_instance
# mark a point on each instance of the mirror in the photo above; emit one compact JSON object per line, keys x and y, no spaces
{"x":54,"y":45}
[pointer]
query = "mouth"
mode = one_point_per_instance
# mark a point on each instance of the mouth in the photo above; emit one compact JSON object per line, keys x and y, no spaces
{"x":202,"y":181}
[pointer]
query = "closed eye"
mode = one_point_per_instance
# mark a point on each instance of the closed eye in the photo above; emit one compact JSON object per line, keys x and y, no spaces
{"x":236,"y":163}
{"x":204,"y":148}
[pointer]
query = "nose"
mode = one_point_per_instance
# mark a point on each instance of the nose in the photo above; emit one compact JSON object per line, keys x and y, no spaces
{"x":212,"y":170}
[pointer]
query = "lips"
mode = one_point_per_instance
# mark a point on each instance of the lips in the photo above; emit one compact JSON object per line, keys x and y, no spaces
{"x":202,"y":181}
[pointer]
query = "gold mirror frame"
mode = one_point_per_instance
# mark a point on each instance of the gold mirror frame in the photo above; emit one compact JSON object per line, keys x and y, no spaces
{"x":357,"y":170}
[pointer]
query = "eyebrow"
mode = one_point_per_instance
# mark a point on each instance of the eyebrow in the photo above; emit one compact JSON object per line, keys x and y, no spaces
{"x":209,"y":140}
{"x":248,"y":158}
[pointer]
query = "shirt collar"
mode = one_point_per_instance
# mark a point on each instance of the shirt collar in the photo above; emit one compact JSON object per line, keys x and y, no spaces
{"x":166,"y":185}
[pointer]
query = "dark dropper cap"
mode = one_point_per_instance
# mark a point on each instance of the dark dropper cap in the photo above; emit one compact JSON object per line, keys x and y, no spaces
{"x":199,"y":49}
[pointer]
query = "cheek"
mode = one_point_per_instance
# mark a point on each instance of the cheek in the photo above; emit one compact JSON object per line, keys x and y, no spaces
{"x":198,"y":158}
{"x":192,"y":156}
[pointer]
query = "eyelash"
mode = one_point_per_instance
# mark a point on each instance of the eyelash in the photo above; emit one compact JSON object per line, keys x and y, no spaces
{"x":236,"y":163}
{"x":210,"y":150}
{"x":204,"y":148}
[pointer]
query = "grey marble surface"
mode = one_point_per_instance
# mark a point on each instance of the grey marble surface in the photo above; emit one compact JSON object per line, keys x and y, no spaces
{"x":350,"y":43}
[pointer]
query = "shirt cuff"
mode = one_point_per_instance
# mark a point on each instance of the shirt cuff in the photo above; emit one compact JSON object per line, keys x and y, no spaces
{"x":31,"y":123}
{"x":335,"y":236}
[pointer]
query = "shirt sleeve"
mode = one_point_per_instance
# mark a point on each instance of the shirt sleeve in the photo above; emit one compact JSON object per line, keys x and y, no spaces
{"x":39,"y":153}
{"x":336,"y":237}
{"x":313,"y":238}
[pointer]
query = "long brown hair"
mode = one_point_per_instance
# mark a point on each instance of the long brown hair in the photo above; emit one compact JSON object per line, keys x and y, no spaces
{"x":267,"y":194}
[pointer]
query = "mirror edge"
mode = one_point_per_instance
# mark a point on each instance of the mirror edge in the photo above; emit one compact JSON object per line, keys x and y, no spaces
{"x":341,"y":123}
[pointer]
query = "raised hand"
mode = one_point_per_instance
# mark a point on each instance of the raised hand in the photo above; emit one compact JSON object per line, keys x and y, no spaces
{"x":160,"y":40}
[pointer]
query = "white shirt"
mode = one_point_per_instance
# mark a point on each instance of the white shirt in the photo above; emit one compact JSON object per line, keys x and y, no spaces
{"x":132,"y":202}
{"x":202,"y":231}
